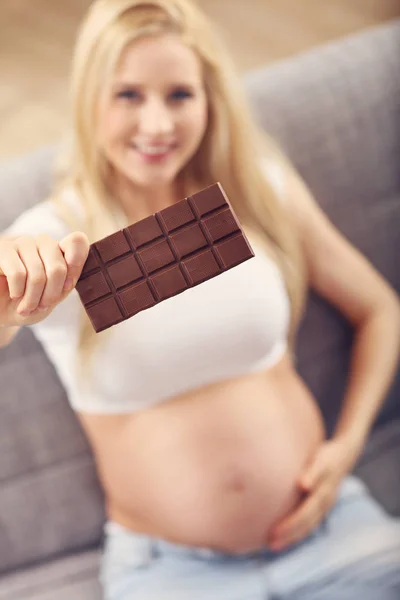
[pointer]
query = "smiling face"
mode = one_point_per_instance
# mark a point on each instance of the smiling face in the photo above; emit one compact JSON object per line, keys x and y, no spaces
{"x":155,"y":117}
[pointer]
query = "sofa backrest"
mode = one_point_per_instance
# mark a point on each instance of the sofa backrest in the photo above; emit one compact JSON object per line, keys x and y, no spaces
{"x":335,"y":111}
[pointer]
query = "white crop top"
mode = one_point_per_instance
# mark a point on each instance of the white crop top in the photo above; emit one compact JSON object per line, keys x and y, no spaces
{"x":231,"y":325}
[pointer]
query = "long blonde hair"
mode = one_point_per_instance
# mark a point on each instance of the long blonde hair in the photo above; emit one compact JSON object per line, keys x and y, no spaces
{"x":231,"y":151}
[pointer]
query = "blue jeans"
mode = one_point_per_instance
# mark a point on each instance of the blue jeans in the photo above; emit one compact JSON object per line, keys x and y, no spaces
{"x":354,"y":554}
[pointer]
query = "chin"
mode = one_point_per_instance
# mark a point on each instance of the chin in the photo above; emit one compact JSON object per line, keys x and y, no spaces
{"x":148,"y":178}
{"x":152,"y":180}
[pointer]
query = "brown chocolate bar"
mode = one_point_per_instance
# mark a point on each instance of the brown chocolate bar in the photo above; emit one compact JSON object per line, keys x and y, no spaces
{"x":160,"y":256}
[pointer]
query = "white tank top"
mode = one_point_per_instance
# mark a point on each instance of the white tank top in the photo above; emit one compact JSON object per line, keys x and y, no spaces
{"x":234,"y":324}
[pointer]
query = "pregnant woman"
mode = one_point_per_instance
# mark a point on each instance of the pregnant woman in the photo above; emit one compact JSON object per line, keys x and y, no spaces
{"x":218,"y":476}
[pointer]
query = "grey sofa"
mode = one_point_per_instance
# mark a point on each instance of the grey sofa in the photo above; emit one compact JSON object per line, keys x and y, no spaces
{"x":336,"y":112}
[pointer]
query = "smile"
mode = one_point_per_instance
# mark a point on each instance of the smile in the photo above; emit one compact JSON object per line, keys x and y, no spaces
{"x":153,"y":151}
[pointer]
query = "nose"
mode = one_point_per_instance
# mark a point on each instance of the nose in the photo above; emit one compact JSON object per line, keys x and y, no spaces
{"x":156,"y":118}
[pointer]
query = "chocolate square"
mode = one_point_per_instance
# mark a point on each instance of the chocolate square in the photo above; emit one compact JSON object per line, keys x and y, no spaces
{"x":161,"y":256}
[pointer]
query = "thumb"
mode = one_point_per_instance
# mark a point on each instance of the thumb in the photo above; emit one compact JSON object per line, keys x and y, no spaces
{"x":75,"y":248}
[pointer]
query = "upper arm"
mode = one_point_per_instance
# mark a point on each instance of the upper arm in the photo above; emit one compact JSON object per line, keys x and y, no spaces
{"x":337,"y":270}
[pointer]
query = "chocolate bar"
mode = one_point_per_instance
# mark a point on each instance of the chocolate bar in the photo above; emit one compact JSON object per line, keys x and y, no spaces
{"x":160,"y":256}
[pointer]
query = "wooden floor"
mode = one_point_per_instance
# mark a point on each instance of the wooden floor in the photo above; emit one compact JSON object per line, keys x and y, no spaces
{"x":37,"y":37}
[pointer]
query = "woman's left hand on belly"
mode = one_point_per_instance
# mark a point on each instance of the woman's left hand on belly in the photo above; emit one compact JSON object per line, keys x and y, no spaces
{"x":319,"y":483}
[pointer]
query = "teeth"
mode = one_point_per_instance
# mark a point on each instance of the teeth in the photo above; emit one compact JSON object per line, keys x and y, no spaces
{"x":153,"y":149}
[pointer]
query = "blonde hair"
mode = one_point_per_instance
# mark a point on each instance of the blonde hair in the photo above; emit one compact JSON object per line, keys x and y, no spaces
{"x":231,"y":151}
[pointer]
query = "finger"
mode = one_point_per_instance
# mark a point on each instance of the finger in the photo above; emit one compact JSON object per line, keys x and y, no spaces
{"x":303,"y":521}
{"x":299,"y":535}
{"x":36,"y":275}
{"x":313,"y":475}
{"x":13,"y":269}
{"x":55,"y":268}
{"x":75,"y":248}
{"x":306,"y":528}
{"x":299,"y":516}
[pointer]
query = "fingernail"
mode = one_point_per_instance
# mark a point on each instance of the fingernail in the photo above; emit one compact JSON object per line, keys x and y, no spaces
{"x":24,"y":313}
{"x":43,"y":308}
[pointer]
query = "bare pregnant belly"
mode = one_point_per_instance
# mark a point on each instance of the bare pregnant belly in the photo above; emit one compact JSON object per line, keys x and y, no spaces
{"x":215,"y":468}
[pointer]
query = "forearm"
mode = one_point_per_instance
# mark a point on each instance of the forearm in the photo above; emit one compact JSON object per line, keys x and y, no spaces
{"x":373,"y":365}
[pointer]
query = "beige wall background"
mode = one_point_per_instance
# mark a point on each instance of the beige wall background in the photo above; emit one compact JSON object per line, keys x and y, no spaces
{"x":37,"y":36}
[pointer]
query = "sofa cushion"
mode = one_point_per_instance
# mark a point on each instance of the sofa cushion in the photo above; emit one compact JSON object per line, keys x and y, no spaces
{"x":379,"y":466}
{"x":334,"y":111}
{"x":50,"y":498}
{"x":70,"y":578}
{"x":46,"y":467}
{"x":325,"y":338}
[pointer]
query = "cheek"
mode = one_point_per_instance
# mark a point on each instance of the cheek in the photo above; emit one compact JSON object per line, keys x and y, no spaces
{"x":196,"y":124}
{"x":112,"y":123}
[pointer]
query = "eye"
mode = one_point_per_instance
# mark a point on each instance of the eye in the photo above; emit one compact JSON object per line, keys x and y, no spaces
{"x":128,"y":94}
{"x":180,"y":94}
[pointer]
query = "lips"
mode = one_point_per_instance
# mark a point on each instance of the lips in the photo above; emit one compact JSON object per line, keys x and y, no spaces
{"x":153,"y":150}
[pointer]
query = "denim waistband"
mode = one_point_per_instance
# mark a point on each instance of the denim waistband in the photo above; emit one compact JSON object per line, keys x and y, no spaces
{"x":147,"y":544}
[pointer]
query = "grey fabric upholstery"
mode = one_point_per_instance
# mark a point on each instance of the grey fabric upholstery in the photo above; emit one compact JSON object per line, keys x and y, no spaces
{"x":335,"y":111}
{"x":68,"y":578}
